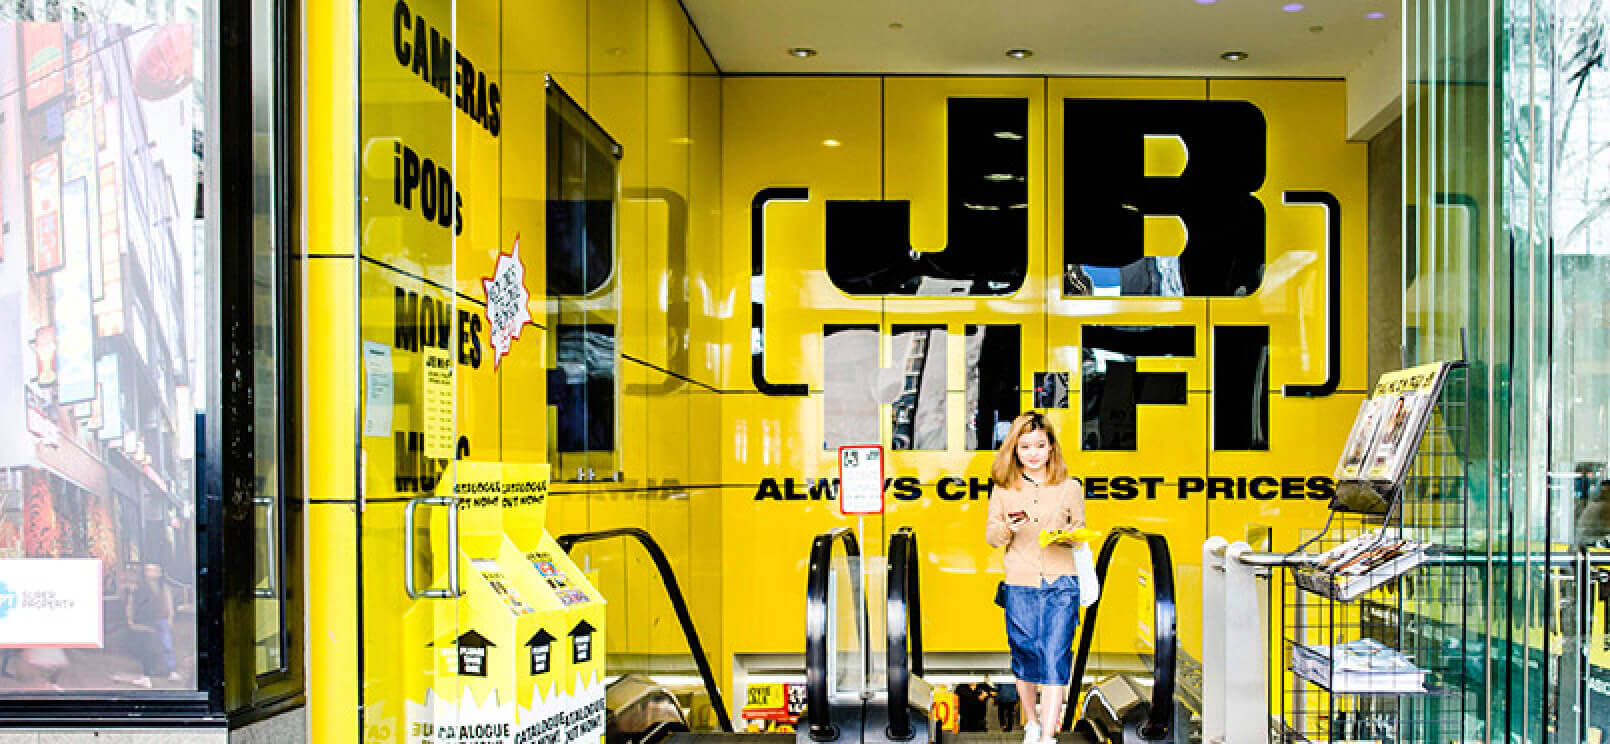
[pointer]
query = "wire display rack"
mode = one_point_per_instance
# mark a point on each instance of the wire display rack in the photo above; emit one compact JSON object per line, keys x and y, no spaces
{"x":1385,"y":662}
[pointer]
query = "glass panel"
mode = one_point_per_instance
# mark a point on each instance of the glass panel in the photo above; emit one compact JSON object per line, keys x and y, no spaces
{"x":869,"y":246}
{"x":917,"y":418}
{"x":994,"y":358}
{"x":1578,"y":370}
{"x":846,"y":635}
{"x":1113,"y":387}
{"x":1457,"y":274}
{"x":849,"y":401}
{"x":102,"y":346}
{"x":416,"y":130}
{"x":583,"y":296}
{"x":1128,"y":237}
{"x":1241,"y":390}
{"x":269,"y":584}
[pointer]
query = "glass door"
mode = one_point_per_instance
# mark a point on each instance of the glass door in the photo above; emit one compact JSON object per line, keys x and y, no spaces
{"x":413,"y":209}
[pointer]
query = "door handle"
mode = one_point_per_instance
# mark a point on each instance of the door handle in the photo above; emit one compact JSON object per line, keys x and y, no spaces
{"x":451,"y":592}
{"x":272,"y":591}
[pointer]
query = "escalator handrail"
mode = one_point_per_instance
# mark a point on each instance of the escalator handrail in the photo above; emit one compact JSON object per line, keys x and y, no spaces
{"x":818,"y":704}
{"x":678,"y":603}
{"x":904,"y":623}
{"x":1165,"y":633}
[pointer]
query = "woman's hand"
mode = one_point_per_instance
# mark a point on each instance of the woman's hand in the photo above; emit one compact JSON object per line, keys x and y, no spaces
{"x":1016,"y":520}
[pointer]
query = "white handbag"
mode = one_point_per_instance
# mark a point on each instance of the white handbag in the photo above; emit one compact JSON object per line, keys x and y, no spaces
{"x":1084,"y":562}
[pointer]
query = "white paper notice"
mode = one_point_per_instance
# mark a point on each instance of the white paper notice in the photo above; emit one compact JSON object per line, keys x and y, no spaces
{"x":861,"y":480}
{"x":50,"y":602}
{"x":440,"y":432}
{"x":377,"y":389}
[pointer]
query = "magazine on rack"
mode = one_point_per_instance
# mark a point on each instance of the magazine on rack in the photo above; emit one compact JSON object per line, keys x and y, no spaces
{"x":1408,"y":400}
{"x":1362,"y":666}
{"x":1395,"y":443}
{"x":1363,"y":563}
{"x":1360,"y":441}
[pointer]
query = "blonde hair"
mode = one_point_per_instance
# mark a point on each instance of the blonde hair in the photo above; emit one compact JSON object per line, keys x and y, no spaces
{"x":1007,"y":469}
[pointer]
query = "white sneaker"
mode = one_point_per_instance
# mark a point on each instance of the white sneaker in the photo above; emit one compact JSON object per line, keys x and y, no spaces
{"x":1031,"y":732}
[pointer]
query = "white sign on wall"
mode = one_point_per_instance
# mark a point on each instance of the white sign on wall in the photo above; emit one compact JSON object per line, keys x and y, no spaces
{"x":861,"y":479}
{"x":50,"y":602}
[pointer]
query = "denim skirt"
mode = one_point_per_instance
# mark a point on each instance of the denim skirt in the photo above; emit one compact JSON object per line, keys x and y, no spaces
{"x":1039,"y":626}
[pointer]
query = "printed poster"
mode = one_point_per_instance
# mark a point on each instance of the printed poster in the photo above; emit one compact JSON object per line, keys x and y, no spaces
{"x":50,"y":602}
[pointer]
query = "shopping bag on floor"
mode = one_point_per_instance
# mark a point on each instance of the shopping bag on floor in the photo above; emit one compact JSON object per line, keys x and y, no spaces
{"x":1084,"y":562}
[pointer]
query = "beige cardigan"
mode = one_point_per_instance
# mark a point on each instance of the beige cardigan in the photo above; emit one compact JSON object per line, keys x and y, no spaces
{"x":1058,"y":507}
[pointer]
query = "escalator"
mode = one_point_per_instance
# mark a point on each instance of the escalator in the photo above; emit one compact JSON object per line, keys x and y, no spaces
{"x":852,"y":699}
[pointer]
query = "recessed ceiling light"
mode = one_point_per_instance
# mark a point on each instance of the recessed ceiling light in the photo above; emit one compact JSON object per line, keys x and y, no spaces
{"x":802,"y":52}
{"x":1206,"y":2}
{"x":897,"y":26}
{"x":1292,"y":7}
{"x":831,"y":143}
{"x":1375,"y":15}
{"x":1234,"y":56}
{"x":1020,"y":53}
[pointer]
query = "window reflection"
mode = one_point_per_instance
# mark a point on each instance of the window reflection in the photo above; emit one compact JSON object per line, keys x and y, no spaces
{"x":850,"y":407}
{"x":994,"y":367}
{"x":869,"y":249}
{"x":1152,"y":276}
{"x":918,"y":413}
{"x":1112,"y":386}
{"x":582,"y":388}
{"x":101,"y":334}
{"x":1240,"y":388}
{"x":1119,"y":202}
{"x":583,"y":306}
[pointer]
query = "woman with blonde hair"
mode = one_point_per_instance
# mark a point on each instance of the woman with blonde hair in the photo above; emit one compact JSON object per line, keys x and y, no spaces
{"x":1033,"y":494}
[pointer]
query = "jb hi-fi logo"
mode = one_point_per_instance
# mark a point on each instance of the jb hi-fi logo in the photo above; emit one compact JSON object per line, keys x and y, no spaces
{"x":1110,"y":194}
{"x":1108,"y":198}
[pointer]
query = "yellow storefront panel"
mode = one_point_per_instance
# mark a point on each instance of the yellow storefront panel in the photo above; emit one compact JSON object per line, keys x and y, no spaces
{"x":776,"y":134}
{"x":617,"y":52}
{"x":332,"y":364}
{"x":664,"y":191}
{"x":712,"y":301}
{"x":1307,"y":152}
{"x":332,"y":541}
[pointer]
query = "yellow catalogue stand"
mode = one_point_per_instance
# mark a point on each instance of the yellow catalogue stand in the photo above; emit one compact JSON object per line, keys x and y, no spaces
{"x":517,"y":658}
{"x":490,"y":607}
{"x":572,"y":637}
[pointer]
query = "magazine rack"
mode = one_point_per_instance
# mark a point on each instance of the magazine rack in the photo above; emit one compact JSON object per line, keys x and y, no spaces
{"x":1379,"y":660}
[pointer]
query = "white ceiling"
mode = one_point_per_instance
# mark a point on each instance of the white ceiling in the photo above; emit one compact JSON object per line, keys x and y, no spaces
{"x":1069,"y":37}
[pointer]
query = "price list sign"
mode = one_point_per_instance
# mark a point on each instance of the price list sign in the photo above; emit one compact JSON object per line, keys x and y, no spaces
{"x":861,"y":479}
